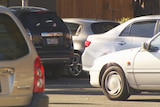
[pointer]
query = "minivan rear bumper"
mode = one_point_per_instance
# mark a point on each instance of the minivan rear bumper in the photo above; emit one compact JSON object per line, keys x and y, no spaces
{"x":39,"y":100}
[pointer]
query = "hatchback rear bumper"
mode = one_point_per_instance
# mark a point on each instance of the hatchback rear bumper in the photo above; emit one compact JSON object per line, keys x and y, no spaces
{"x":39,"y":100}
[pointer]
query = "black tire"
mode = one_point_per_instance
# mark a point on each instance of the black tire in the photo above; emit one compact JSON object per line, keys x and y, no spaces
{"x":114,"y":84}
{"x":75,"y":68}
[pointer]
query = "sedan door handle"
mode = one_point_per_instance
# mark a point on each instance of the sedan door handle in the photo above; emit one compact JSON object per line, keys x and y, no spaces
{"x":121,"y":43}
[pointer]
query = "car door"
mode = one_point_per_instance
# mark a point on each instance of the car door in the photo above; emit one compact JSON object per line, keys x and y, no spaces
{"x":135,"y":34}
{"x":147,"y":67}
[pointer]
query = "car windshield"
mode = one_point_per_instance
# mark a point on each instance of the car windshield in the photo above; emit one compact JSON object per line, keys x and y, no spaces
{"x":38,"y":22}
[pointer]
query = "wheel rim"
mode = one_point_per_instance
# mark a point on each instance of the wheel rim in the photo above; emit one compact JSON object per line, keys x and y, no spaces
{"x":76,"y":67}
{"x":113,"y":83}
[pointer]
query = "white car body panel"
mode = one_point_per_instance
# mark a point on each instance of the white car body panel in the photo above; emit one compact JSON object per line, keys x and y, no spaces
{"x":140,"y":66}
{"x":110,"y":41}
{"x":113,"y":57}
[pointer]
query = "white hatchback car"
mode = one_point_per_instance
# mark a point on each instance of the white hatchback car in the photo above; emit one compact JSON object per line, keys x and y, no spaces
{"x":128,"y":72}
{"x":127,"y":35}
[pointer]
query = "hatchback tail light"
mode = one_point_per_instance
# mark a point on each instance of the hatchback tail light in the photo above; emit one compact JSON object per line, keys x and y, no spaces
{"x":87,"y":43}
{"x":39,"y":76}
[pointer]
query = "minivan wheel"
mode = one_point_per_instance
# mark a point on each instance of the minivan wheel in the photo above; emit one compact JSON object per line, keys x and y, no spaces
{"x":114,"y":84}
{"x":75,"y":68}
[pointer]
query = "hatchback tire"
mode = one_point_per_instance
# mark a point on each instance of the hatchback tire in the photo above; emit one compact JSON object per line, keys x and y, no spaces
{"x":114,"y":84}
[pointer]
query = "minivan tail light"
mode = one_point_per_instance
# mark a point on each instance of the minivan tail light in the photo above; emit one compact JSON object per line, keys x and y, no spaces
{"x":87,"y":43}
{"x":39,"y":76}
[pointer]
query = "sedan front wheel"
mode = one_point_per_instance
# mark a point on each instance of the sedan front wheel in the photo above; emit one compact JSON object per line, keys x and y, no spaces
{"x":114,"y":84}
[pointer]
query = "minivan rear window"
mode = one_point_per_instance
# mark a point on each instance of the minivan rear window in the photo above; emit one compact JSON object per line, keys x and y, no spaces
{"x":38,"y":22}
{"x":12,"y":42}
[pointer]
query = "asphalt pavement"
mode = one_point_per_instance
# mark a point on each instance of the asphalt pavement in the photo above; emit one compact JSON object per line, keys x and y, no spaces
{"x":77,"y":92}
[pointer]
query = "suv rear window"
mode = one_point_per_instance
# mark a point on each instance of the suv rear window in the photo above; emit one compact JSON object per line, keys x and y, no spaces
{"x":38,"y":22}
{"x":12,"y":43}
{"x":103,"y":27}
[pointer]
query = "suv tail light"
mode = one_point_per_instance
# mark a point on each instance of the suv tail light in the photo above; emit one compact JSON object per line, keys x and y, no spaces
{"x":69,"y":42}
{"x":39,"y":76}
{"x":87,"y":43}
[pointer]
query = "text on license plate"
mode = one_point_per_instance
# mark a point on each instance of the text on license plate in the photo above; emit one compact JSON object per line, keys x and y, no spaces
{"x":52,"y":41}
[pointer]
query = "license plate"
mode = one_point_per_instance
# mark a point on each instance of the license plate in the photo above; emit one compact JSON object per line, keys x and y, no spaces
{"x":52,"y":41}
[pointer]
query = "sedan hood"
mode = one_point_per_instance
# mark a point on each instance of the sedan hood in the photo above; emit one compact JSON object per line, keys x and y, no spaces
{"x":118,"y":57}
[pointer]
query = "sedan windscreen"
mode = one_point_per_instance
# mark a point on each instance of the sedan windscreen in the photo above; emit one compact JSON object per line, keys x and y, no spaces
{"x":103,"y":27}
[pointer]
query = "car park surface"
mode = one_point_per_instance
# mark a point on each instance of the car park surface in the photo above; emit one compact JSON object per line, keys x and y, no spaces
{"x":128,"y":72}
{"x":50,"y":36}
{"x":22,"y":77}
{"x":80,"y":29}
{"x":127,"y":35}
{"x":77,"y":92}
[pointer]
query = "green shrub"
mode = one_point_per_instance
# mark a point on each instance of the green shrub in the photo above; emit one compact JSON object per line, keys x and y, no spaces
{"x":124,"y":19}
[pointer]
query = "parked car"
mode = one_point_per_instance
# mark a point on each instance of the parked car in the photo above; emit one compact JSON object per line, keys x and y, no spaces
{"x":128,"y":72}
{"x":22,"y":78}
{"x":127,"y":35}
{"x":80,"y":29}
{"x":50,"y":36}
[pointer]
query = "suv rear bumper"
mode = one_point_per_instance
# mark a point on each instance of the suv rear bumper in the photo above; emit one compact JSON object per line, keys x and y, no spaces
{"x":56,"y":60}
{"x":39,"y":100}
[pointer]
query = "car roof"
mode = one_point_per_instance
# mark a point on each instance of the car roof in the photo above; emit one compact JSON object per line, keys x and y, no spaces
{"x":85,"y":20}
{"x":4,"y":9}
{"x":27,"y":8}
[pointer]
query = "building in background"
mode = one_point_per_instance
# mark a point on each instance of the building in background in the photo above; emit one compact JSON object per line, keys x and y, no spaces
{"x":50,"y":4}
{"x":97,"y":9}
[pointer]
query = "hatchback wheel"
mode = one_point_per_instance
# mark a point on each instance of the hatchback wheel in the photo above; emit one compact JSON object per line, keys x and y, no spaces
{"x":114,"y":84}
{"x":75,"y":68}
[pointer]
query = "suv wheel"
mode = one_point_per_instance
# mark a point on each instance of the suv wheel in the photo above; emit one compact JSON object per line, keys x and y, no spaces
{"x":75,"y":68}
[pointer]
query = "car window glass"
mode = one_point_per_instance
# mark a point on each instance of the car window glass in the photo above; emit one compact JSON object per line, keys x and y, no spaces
{"x":143,"y":29}
{"x":140,"y":29}
{"x":125,"y":32}
{"x":102,"y":27}
{"x":12,"y":43}
{"x":38,"y":22}
{"x":73,"y":28}
{"x":156,"y":42}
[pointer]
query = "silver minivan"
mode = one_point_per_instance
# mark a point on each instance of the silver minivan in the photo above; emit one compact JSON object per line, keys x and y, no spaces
{"x":22,"y":79}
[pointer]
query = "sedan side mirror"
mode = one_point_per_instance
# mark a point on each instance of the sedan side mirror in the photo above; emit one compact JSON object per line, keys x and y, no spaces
{"x":145,"y":46}
{"x":149,"y":47}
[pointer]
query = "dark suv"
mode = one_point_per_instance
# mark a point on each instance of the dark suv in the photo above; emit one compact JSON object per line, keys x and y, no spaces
{"x":50,"y":36}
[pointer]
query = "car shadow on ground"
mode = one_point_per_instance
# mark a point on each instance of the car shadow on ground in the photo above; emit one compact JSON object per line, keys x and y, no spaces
{"x":71,"y":86}
{"x":147,"y":97}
